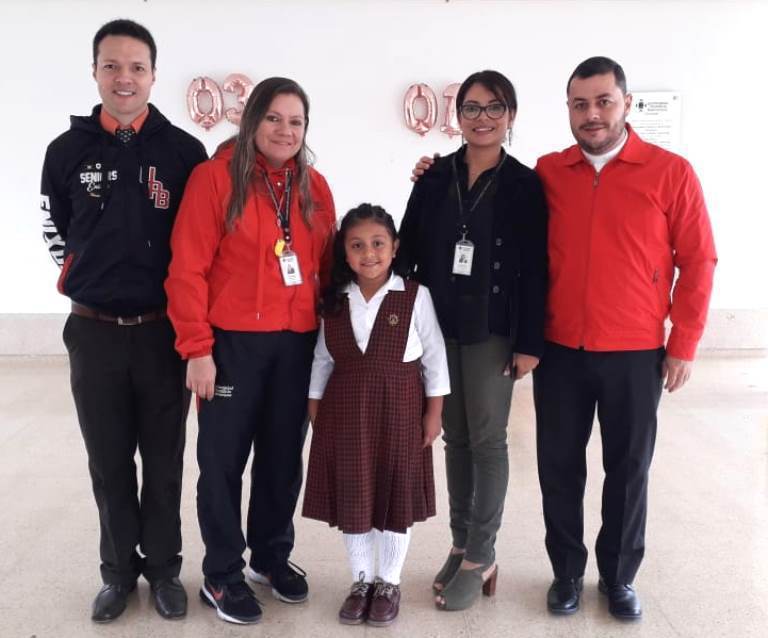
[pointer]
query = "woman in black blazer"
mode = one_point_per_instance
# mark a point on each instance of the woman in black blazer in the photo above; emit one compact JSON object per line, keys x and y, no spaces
{"x":474,"y":232}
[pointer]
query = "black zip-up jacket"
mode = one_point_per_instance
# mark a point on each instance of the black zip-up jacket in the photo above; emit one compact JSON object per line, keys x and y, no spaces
{"x":110,"y":207}
{"x":513,"y":300}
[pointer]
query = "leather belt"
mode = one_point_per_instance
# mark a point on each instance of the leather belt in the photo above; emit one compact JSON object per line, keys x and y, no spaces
{"x":89,"y":313}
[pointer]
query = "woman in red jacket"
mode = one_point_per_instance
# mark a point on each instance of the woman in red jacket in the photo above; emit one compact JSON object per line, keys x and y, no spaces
{"x":250,"y":245}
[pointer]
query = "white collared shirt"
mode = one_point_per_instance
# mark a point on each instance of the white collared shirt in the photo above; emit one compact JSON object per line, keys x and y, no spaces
{"x":425,"y":339}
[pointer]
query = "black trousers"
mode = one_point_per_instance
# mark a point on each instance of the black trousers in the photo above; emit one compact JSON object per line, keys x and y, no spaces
{"x":625,"y":387}
{"x":260,"y":402}
{"x":128,"y":386}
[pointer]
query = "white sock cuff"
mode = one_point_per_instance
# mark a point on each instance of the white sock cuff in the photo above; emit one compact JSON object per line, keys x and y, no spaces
{"x":392,"y":548}
{"x":361,"y":552}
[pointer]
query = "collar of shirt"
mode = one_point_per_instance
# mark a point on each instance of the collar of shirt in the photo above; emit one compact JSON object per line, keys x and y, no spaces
{"x":635,"y":151}
{"x":273,"y":172}
{"x":599,"y":161}
{"x":110,"y":124}
{"x":395,"y":282}
{"x":462,"y":170}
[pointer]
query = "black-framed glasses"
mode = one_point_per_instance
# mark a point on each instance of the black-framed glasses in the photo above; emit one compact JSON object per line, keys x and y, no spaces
{"x":494,"y":110}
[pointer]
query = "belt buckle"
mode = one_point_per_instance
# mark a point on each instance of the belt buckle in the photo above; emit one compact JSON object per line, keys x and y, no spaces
{"x":129,"y":321}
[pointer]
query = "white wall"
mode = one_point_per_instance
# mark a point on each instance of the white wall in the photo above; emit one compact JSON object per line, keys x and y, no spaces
{"x":356,"y":59}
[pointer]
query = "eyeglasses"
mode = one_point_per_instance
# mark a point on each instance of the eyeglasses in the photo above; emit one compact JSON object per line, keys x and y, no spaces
{"x":494,"y":110}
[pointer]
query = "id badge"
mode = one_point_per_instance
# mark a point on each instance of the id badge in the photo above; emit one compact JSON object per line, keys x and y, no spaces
{"x":289,"y":267}
{"x":462,"y":257}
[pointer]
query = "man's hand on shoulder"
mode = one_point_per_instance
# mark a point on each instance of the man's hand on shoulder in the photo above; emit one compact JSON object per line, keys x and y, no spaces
{"x":422,"y":166}
{"x":675,"y":372}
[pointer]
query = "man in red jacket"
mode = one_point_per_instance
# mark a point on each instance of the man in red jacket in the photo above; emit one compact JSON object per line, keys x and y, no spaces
{"x":624,"y":216}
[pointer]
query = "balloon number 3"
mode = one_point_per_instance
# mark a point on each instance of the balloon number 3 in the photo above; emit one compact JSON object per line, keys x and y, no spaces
{"x":206,"y":104}
{"x":205,"y":99}
{"x":421,"y":118}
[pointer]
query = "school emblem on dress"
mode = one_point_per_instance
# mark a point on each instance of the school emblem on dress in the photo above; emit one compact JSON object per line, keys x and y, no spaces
{"x":157,"y":192}
{"x":393,"y":319}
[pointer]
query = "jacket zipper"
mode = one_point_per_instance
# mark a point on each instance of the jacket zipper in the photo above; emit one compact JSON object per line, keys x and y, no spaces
{"x":663,"y":304}
{"x":595,"y":183}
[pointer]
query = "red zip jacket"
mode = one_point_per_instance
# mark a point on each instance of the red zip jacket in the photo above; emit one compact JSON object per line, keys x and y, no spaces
{"x":231,"y":280}
{"x":615,"y":240}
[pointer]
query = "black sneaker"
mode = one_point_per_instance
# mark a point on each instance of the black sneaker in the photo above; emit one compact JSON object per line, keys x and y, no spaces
{"x":235,"y":603}
{"x":288,"y":581}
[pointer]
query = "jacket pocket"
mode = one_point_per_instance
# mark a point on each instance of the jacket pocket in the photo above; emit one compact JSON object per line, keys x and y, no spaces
{"x":61,"y":283}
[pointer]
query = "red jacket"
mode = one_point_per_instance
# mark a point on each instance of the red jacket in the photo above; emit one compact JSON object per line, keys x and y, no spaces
{"x":615,"y":240}
{"x":231,"y":280}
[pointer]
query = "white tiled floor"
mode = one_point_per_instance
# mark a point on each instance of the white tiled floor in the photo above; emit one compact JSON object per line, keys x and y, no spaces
{"x":705,"y":573}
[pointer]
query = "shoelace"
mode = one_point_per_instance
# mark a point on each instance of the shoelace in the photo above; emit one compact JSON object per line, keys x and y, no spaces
{"x":291,"y":569}
{"x":620,"y":587}
{"x":384,"y":589}
{"x":360,"y":588}
{"x":241,"y":591}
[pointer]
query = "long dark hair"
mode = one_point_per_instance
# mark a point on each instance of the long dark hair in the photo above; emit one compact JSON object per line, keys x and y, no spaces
{"x":341,"y":273}
{"x":493,"y":81}
{"x":241,"y":166}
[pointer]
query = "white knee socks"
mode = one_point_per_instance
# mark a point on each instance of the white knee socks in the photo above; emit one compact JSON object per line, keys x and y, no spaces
{"x":392,"y":548}
{"x":361,"y":554}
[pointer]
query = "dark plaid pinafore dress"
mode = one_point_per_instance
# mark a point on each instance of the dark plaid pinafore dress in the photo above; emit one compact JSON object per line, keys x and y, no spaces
{"x":367,"y":466}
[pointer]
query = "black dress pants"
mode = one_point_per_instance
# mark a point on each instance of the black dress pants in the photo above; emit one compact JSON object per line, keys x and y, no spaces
{"x":128,"y":386}
{"x":625,"y":387}
{"x":260,"y":402}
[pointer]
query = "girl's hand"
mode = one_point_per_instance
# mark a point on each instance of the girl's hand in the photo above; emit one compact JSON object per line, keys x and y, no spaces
{"x":312,"y":406}
{"x":201,"y":376}
{"x":522,"y":365}
{"x":432,"y":425}
{"x":432,"y":422}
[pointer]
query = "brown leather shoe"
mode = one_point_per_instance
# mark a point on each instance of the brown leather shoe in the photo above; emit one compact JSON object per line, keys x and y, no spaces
{"x":354,"y":611}
{"x":385,"y":604}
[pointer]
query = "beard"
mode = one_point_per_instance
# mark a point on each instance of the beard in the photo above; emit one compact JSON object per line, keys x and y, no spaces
{"x":613,"y":134}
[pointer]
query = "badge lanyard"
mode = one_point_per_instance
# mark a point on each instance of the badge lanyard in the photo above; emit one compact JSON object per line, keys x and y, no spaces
{"x":287,"y":259}
{"x":464,"y":251}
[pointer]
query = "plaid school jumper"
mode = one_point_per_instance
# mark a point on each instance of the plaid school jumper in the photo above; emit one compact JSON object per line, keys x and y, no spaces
{"x":367,"y":466}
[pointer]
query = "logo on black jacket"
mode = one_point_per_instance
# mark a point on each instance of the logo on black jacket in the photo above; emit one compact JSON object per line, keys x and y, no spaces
{"x":157,"y":192}
{"x":93,"y":178}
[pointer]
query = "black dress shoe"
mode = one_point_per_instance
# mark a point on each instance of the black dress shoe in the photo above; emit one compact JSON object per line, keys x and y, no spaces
{"x":563,"y":595}
{"x":110,"y":602}
{"x":170,"y":598}
{"x":623,"y":602}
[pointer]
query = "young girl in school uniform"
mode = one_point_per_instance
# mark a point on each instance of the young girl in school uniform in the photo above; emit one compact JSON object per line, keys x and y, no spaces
{"x":375,"y":399}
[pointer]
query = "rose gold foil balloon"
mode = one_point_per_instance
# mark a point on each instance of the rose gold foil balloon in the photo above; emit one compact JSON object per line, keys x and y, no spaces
{"x":450,"y":125}
{"x":241,"y":86}
{"x":420,"y":125}
{"x":201,"y":86}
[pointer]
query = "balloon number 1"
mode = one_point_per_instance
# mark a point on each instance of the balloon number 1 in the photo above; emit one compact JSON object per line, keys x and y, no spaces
{"x":205,"y":99}
{"x":423,"y":121}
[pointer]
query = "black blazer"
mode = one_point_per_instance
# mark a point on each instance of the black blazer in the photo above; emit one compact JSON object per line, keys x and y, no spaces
{"x":518,"y":277}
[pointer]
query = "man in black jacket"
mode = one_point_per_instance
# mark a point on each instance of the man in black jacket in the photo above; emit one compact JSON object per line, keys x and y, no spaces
{"x":111,"y":186}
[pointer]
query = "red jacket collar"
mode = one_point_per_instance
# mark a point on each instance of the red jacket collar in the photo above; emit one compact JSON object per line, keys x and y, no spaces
{"x":635,"y":151}
{"x":227,"y":149}
{"x":264,"y":165}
